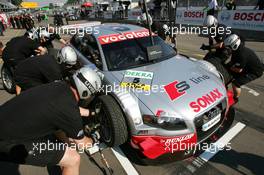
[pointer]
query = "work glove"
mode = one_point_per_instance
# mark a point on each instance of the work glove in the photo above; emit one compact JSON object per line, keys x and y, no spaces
{"x":205,"y":47}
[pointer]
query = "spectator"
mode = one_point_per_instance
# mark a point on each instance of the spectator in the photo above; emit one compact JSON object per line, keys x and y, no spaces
{"x":2,"y":28}
{"x":39,"y":17}
{"x":151,"y":8}
{"x":1,"y":49}
{"x":231,"y":5}
{"x":260,"y":5}
{"x":212,"y":7}
{"x":22,"y":22}
{"x":17,"y":22}
{"x":12,"y":21}
{"x":163,"y":11}
{"x":121,"y":10}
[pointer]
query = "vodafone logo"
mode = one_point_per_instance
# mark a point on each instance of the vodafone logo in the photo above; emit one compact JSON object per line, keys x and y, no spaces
{"x":206,"y":100}
{"x":107,"y":39}
{"x":238,"y":16}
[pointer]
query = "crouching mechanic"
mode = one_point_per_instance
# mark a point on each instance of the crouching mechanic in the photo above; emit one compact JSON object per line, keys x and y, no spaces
{"x":28,"y":123}
{"x":245,"y":65}
{"x":44,"y":69}
{"x":20,"y":48}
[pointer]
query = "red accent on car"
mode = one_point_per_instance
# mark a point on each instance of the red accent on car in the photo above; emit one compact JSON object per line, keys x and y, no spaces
{"x":155,"y":146}
{"x":159,"y":113}
{"x":230,"y":95}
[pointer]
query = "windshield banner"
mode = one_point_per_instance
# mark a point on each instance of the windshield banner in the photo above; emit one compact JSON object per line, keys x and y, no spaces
{"x":107,"y":39}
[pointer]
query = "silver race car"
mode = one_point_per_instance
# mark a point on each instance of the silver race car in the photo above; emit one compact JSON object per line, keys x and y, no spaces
{"x":154,"y":99}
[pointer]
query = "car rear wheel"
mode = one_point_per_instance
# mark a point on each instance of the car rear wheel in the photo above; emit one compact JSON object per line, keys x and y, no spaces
{"x":113,"y":127}
{"x":8,"y":80}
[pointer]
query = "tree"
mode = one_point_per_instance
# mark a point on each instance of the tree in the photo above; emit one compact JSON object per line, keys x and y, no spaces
{"x":16,"y":2}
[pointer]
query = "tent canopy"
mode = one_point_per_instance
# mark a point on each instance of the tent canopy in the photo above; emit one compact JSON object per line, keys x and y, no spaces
{"x":29,"y":5}
{"x":87,"y":4}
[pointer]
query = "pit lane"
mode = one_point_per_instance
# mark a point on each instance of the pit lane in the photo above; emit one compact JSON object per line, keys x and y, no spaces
{"x":245,"y":157}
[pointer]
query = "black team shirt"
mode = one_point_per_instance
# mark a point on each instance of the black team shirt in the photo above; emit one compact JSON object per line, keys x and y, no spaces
{"x":19,"y":49}
{"x":36,"y":71}
{"x":39,"y":112}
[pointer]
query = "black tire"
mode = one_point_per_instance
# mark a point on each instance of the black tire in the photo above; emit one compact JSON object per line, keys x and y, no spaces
{"x":8,"y":80}
{"x":112,"y":121}
{"x":217,"y":62}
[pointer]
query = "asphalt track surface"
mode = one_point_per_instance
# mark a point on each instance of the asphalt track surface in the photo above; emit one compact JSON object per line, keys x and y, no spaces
{"x":246,"y":138}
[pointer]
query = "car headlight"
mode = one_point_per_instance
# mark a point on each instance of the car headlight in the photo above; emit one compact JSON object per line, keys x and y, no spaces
{"x":165,"y":122}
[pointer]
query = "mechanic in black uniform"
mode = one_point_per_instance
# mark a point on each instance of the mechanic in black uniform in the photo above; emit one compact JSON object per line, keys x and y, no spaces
{"x":44,"y":69}
{"x":217,"y":34}
{"x":28,"y":123}
{"x":53,"y":35}
{"x":21,"y":48}
{"x":245,"y":66}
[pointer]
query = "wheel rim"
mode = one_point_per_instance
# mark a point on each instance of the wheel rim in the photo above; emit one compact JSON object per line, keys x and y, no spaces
{"x":105,"y":125}
{"x":7,"y":79}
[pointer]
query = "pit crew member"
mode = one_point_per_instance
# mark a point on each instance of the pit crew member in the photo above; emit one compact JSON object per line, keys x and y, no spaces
{"x":28,"y":123}
{"x":217,"y":34}
{"x":245,"y":64}
{"x":44,"y":69}
{"x":20,"y":48}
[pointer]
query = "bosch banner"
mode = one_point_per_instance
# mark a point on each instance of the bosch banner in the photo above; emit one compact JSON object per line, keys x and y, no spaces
{"x":245,"y":20}
{"x":193,"y":17}
{"x":237,"y":19}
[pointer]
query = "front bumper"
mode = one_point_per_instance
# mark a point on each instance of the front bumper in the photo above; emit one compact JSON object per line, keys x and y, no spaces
{"x":154,"y":147}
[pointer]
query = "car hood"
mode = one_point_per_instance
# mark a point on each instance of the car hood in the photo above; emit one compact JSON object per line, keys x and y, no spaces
{"x":179,"y":87}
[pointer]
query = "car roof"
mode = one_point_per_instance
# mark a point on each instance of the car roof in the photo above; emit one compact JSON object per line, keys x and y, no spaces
{"x":115,"y":28}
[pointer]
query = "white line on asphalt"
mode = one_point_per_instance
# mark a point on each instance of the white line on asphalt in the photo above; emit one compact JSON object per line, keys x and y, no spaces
{"x":251,"y":91}
{"x":126,"y":164}
{"x":222,"y":142}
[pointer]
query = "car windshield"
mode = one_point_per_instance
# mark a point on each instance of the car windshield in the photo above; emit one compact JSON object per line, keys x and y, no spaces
{"x":133,"y":53}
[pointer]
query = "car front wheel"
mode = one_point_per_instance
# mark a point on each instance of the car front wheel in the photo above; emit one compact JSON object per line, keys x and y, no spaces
{"x":113,"y":127}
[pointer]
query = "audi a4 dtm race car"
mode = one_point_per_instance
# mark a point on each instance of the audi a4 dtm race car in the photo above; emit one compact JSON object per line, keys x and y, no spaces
{"x":155,"y":96}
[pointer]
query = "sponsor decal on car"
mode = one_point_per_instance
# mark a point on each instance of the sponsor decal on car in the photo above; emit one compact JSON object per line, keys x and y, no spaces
{"x":211,"y":123}
{"x":137,"y":79}
{"x":107,"y":39}
{"x":206,"y":100}
{"x":176,"y":89}
{"x":144,"y":87}
{"x":139,"y":74}
{"x":178,"y":139}
{"x":179,"y":143}
{"x":199,"y":79}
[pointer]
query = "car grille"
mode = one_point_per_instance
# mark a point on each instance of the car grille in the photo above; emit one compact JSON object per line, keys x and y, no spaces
{"x":201,"y":120}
